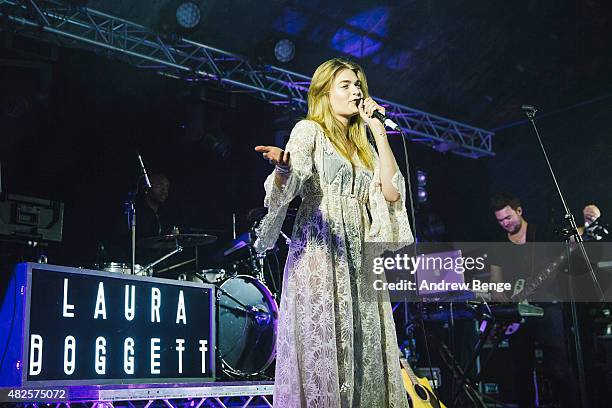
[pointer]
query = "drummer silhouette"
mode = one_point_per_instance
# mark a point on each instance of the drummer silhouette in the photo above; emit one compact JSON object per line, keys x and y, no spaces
{"x":152,"y":220}
{"x":150,"y":215}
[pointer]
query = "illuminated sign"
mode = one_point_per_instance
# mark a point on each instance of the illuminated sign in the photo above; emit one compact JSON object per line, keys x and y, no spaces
{"x":92,"y":327}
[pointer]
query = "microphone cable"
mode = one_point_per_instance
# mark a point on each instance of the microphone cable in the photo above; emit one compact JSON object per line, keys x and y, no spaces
{"x":414,"y":233}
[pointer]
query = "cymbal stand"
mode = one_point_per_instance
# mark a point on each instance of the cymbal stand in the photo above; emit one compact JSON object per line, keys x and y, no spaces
{"x":257,"y":261}
{"x":163,"y":258}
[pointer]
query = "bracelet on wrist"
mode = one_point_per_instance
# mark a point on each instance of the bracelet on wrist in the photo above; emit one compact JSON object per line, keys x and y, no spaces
{"x":284,"y":170}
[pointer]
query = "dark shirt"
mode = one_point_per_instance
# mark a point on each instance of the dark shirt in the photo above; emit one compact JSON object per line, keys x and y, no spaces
{"x":521,"y":263}
{"x":148,"y":222}
{"x":544,"y":256}
{"x":525,"y":262}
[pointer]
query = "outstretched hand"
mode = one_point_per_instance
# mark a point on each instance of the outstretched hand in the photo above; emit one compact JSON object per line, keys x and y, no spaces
{"x":274,"y":155}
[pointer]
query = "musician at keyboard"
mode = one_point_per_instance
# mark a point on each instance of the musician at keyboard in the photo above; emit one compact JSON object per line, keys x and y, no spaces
{"x":533,"y":269}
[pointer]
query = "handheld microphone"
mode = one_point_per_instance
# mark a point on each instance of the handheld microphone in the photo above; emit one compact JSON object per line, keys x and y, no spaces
{"x":144,"y":171}
{"x":384,"y":120}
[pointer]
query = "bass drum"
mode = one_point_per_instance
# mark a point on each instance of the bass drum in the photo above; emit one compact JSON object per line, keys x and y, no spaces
{"x":248,"y":318}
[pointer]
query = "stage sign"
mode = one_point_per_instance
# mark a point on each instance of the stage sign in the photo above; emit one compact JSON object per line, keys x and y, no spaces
{"x":75,"y":326}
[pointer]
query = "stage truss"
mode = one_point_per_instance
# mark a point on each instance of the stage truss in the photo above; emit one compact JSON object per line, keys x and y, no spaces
{"x":218,"y":395}
{"x":180,"y":58}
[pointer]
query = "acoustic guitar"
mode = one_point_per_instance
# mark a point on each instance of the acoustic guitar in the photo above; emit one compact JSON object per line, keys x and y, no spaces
{"x":418,"y":389}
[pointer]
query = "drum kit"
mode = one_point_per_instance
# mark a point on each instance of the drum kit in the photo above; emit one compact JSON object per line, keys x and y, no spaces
{"x":247,"y":310}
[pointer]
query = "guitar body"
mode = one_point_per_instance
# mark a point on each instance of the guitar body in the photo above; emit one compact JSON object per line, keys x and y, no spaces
{"x":418,"y":389}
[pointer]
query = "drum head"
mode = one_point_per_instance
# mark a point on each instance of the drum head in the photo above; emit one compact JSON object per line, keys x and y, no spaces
{"x":248,"y":317}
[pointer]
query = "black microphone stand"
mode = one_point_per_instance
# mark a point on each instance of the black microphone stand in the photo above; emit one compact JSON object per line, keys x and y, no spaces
{"x":530,"y":112}
{"x":130,"y":212}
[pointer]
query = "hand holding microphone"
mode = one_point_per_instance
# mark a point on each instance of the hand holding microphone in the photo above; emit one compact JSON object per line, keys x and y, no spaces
{"x":370,"y":110}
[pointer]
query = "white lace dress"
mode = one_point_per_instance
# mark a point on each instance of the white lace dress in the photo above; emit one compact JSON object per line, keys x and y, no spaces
{"x":334,"y":348}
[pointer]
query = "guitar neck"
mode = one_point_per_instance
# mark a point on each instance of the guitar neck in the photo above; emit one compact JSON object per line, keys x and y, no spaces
{"x":536,"y":281}
{"x":413,"y":378}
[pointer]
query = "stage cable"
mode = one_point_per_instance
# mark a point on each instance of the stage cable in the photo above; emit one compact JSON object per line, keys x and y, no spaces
{"x":414,"y":233}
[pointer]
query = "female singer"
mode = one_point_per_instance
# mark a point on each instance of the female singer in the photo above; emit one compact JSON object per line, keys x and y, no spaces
{"x":336,"y":347}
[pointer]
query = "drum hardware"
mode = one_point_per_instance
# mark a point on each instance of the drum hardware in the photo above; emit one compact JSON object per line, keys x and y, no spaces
{"x":247,"y":325}
{"x":177,"y":241}
{"x":256,"y":214}
{"x":120,"y":267}
{"x":242,"y":241}
{"x":212,"y":276}
{"x":233,"y":225}
{"x":178,"y":265}
{"x":260,"y":315}
{"x":163,"y":258}
{"x":287,"y":239}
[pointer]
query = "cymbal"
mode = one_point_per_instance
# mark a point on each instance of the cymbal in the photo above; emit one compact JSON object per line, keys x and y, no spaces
{"x":170,"y":241}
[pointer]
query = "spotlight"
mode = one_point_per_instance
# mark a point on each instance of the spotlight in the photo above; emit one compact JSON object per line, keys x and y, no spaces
{"x":421,"y":195}
{"x":421,"y":177}
{"x":188,"y":14}
{"x":284,"y":50}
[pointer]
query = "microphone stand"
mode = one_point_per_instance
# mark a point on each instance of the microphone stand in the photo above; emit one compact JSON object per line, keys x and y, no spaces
{"x":530,"y":112}
{"x":130,"y":211}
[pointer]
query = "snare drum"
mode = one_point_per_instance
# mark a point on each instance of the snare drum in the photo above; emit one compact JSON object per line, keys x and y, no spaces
{"x":124,"y":268}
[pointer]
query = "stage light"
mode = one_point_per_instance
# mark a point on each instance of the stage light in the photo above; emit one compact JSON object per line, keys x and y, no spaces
{"x":421,"y":177}
{"x":284,"y":50}
{"x":188,"y":14}
{"x":421,"y":195}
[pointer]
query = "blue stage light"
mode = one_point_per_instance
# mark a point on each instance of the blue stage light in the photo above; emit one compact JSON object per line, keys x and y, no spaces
{"x":284,"y":50}
{"x":188,"y":14}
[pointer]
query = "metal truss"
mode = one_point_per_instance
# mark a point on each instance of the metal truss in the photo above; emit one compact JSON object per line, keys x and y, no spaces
{"x":257,"y":401}
{"x":181,"y":58}
{"x":219,"y":395}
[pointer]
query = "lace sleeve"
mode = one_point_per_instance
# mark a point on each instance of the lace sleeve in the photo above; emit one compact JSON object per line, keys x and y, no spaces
{"x":300,"y":147}
{"x":389,"y":220}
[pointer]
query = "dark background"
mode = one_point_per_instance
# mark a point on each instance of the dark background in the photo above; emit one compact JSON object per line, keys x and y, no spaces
{"x":71,"y":119}
{"x":72,"y":136}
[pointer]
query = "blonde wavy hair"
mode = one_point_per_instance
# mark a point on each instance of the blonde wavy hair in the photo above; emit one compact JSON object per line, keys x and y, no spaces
{"x":348,"y":138}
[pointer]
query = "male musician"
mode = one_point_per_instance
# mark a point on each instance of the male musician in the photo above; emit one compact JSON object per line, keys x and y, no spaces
{"x":509,"y":215}
{"x":518,"y":263}
{"x":149,"y":208}
{"x":151,"y":221}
